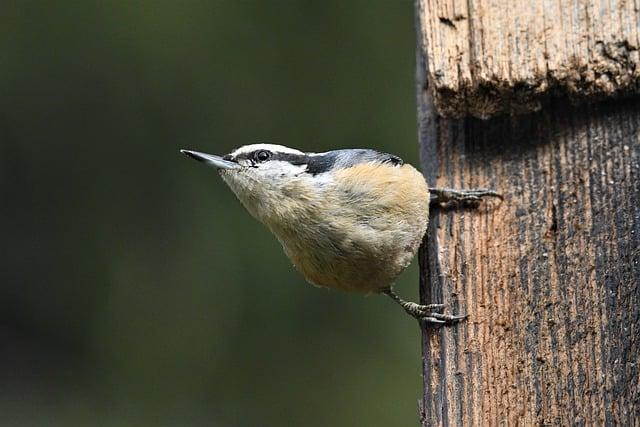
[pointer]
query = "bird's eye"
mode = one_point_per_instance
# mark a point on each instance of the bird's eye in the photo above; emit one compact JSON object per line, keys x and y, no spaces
{"x":262,"y":155}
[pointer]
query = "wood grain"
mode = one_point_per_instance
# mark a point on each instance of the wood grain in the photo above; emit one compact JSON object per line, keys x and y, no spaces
{"x":550,"y":277}
{"x":486,"y":57}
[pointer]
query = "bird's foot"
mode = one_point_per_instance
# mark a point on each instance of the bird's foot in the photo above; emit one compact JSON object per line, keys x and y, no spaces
{"x":425,"y":312}
{"x":466,"y":197}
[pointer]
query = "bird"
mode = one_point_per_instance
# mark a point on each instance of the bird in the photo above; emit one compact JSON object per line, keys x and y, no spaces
{"x":348,"y":219}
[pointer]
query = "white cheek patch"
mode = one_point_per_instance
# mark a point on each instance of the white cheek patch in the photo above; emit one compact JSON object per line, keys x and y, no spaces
{"x":278,"y":168}
{"x":244,"y":162}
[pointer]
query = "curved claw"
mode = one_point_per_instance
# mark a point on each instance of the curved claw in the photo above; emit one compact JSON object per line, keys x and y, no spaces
{"x":442,"y":319}
{"x":432,"y":320}
{"x":425,"y":308}
{"x":484,"y":192}
{"x":474,"y":195}
{"x":424,"y":312}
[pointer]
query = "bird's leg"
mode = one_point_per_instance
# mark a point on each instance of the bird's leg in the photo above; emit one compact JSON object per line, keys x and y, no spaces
{"x":443,"y":196}
{"x":446,"y":195}
{"x":424,"y":312}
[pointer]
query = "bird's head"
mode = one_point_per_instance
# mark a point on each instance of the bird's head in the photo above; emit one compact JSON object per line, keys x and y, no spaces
{"x":274,"y":180}
{"x":266,"y":177}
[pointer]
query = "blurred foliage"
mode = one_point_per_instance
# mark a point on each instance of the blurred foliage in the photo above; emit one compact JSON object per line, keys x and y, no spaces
{"x":135,"y":290}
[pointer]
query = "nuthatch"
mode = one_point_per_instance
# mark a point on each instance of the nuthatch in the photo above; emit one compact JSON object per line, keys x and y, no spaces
{"x":348,"y":219}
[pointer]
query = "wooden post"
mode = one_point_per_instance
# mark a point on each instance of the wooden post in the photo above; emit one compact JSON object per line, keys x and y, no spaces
{"x":550,"y":277}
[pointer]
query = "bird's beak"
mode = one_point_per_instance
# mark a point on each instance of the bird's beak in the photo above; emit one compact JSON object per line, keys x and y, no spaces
{"x":211,"y":160}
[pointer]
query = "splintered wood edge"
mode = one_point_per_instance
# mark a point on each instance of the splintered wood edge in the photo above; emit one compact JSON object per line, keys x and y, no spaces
{"x":485,"y":58}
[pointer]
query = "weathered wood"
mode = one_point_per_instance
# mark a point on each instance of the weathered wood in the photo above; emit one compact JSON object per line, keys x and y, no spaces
{"x":550,"y":277}
{"x":490,"y":56}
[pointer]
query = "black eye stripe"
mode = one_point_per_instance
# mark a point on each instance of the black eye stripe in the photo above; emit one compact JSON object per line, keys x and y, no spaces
{"x":293,"y":158}
{"x":262,"y":155}
{"x":320,"y":163}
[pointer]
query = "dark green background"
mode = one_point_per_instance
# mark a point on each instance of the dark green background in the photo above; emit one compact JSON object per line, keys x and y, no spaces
{"x":135,"y":290}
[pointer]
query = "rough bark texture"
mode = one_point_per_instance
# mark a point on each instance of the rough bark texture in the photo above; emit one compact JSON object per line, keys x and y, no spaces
{"x":550,"y":277}
{"x":491,"y":56}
